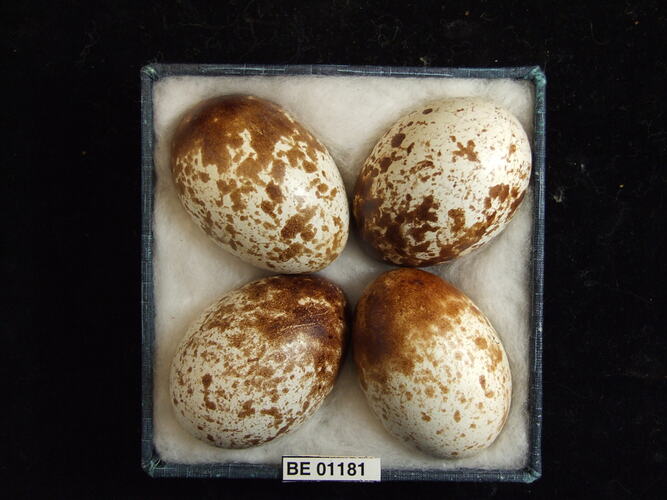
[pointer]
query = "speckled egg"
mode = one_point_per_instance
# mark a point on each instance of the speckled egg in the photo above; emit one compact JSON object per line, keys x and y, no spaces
{"x":260,"y":361}
{"x":430,"y":363}
{"x":442,"y":181}
{"x":260,"y":185}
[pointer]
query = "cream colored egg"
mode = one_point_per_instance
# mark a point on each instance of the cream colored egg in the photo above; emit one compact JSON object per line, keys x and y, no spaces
{"x":260,"y":185}
{"x":442,"y":181}
{"x":260,"y":361}
{"x":430,"y":363}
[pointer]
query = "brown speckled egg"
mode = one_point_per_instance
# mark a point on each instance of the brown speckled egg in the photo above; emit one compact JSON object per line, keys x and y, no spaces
{"x":430,"y":363}
{"x":442,"y":181}
{"x":259,"y":361}
{"x":260,"y":185}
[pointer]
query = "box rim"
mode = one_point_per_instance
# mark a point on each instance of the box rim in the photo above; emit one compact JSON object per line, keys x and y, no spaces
{"x":150,"y":461}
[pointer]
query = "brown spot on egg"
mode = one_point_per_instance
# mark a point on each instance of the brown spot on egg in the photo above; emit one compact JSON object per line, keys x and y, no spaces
{"x":309,"y":167}
{"x":286,"y":427}
{"x":453,"y":307}
{"x":207,"y":220}
{"x":383,"y":230}
{"x":332,"y":194}
{"x":487,"y":393}
{"x":500,"y":191}
{"x":425,"y":417}
{"x":274,"y":192}
{"x":427,"y":111}
{"x":397,"y":140}
{"x":206,"y":382}
{"x":267,"y":207}
{"x":278,"y":171}
{"x":283,"y":255}
{"x":457,"y":415}
{"x":238,"y":198}
{"x":275,"y":413}
{"x":467,"y":151}
{"x":251,"y":170}
{"x":297,"y":223}
{"x":516,"y":202}
{"x":496,"y":354}
{"x":308,"y":233}
{"x":246,"y":410}
{"x":264,"y":371}
{"x":459,"y":219}
{"x":465,"y":238}
{"x":384,"y":164}
{"x":421,"y":167}
{"x":480,"y":342}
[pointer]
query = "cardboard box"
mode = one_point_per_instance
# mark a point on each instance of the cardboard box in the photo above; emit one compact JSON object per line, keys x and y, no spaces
{"x":151,"y":460}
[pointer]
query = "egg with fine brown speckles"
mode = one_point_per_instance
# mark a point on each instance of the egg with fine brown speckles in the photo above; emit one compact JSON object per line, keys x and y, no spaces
{"x":260,"y":185}
{"x":260,"y":361}
{"x":442,"y":181}
{"x":430,"y":364}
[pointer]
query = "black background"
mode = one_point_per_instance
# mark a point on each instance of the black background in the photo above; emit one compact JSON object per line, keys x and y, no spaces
{"x":71,"y":244}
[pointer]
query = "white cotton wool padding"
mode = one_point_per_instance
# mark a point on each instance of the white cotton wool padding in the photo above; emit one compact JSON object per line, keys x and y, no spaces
{"x":348,"y":115}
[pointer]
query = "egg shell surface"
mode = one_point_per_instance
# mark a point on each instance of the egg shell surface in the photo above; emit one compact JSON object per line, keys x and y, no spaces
{"x":260,"y":185}
{"x":430,"y":364}
{"x":442,"y":181}
{"x":259,"y":361}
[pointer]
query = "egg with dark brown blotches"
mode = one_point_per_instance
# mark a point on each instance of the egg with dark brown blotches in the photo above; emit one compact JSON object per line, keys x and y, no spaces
{"x":260,"y":185}
{"x":261,"y":360}
{"x":430,"y":364}
{"x":442,"y":181}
